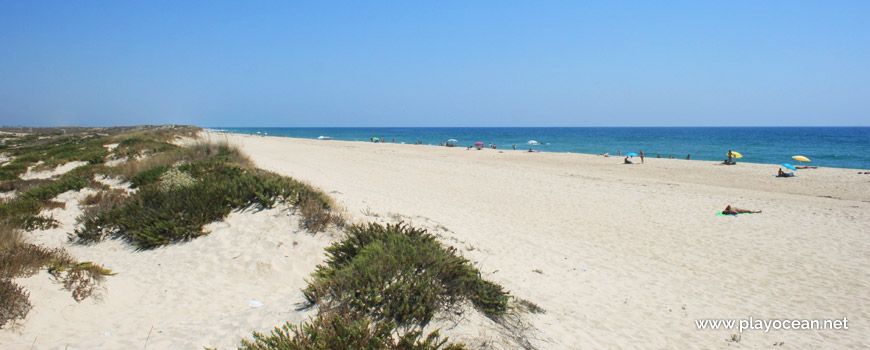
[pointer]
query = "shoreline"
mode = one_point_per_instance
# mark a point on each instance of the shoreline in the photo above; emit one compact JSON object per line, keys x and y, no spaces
{"x":520,"y":149}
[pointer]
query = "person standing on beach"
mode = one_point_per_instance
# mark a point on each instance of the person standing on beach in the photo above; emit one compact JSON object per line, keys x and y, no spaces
{"x":688,"y":156}
{"x":619,"y":152}
{"x":641,"y":156}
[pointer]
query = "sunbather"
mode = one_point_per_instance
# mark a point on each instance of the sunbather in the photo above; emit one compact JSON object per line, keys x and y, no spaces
{"x":784,"y":174}
{"x":731,"y":211}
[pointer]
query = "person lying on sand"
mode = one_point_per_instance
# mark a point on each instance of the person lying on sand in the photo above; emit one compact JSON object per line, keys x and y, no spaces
{"x":626,"y":161}
{"x":784,"y":174}
{"x":805,"y":167}
{"x":731,"y":211}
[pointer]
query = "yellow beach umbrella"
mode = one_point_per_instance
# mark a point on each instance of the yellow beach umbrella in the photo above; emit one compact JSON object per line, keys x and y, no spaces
{"x":801,"y":158}
{"x":736,"y":155}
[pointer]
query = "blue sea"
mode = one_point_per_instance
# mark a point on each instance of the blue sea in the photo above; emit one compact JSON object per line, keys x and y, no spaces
{"x":839,"y":147}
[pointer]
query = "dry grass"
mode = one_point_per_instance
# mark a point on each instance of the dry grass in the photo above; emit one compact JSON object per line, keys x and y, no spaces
{"x":315,"y":217}
{"x":22,"y":185}
{"x":9,"y":237}
{"x":14,"y":303}
{"x":25,"y":259}
{"x":83,"y":279}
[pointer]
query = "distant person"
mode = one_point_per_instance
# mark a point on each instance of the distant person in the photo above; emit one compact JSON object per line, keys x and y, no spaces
{"x":688,"y":157}
{"x":659,"y":156}
{"x":619,"y":152}
{"x":626,"y":161}
{"x":515,"y":147}
{"x":394,"y":140}
{"x":730,"y":160}
{"x":671,"y":156}
{"x":641,"y":156}
{"x":784,"y":174}
{"x":733,"y":210}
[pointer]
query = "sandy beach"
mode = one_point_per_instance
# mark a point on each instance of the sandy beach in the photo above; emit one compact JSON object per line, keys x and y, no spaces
{"x":618,"y":256}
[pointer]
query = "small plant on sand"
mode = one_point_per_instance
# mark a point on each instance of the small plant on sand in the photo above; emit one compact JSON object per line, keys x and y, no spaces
{"x":344,"y":331}
{"x":14,"y":303}
{"x":398,"y":273}
{"x":174,"y":179}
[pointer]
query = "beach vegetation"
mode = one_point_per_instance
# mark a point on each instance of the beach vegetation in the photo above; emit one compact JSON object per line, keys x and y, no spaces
{"x":345,"y":331}
{"x":174,"y":202}
{"x":44,"y":150}
{"x":138,"y":146}
{"x":399,"y":273}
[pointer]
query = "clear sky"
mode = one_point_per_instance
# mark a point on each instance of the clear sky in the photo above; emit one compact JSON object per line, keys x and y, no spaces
{"x":435,"y":63}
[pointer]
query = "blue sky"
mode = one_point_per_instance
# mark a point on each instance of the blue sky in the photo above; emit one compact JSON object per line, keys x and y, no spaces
{"x":445,"y":63}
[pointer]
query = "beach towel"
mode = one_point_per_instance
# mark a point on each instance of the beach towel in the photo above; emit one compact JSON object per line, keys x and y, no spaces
{"x":720,"y":214}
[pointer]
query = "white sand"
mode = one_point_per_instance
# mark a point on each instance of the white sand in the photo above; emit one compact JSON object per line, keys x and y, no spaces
{"x":619,"y":256}
{"x":47,"y":174}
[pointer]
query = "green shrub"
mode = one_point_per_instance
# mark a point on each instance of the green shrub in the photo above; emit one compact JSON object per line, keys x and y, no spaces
{"x":6,"y":175}
{"x":399,"y":273}
{"x":16,"y":211}
{"x":39,"y":222}
{"x":49,"y":191}
{"x":140,"y":146}
{"x":148,"y":176}
{"x":342,"y":331}
{"x":155,"y":215}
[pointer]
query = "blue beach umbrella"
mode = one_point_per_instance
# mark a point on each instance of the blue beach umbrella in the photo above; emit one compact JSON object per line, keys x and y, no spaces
{"x":787,"y":165}
{"x":631,"y":154}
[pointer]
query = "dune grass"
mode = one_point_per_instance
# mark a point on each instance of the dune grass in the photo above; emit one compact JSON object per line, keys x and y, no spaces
{"x":345,"y":331}
{"x":399,"y":273}
{"x":185,"y":189}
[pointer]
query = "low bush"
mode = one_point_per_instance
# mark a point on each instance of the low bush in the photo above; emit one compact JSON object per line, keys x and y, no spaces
{"x":159,"y":213}
{"x":148,"y":176}
{"x":398,"y":273}
{"x":25,"y":259}
{"x":51,"y":190}
{"x":140,"y":146}
{"x":16,"y":184}
{"x":15,"y":211}
{"x":39,"y":223}
{"x":82,"y":279}
{"x":343,"y":331}
{"x":14,"y":303}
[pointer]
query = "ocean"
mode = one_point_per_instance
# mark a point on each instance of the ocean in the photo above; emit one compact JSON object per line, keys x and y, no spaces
{"x":839,"y":147}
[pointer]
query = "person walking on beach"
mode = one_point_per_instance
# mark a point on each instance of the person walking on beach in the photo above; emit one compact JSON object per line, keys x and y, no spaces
{"x":641,"y":156}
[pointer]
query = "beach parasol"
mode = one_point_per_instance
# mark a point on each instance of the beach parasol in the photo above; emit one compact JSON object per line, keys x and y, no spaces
{"x":452,"y":141}
{"x":533,"y":142}
{"x":787,"y":165}
{"x":736,"y":155}
{"x":801,"y":158}
{"x":631,"y":154}
{"x":479,"y":144}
